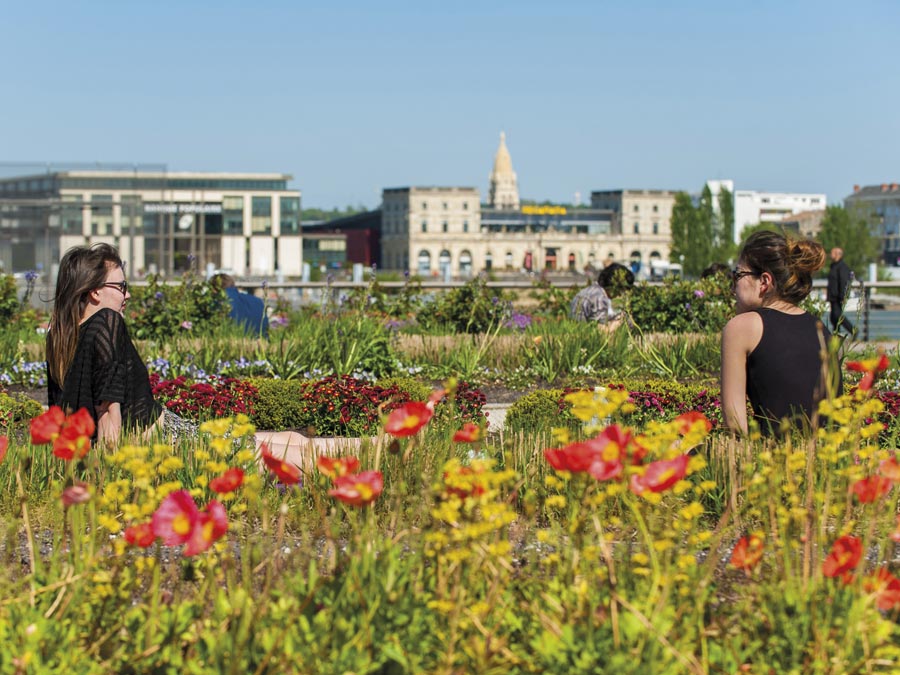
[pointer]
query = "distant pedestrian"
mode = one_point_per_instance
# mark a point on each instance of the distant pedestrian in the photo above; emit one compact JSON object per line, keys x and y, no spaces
{"x":839,"y":276}
{"x":246,"y":310}
{"x":593,"y":302}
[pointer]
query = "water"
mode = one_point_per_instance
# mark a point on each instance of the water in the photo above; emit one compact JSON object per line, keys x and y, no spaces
{"x":884,"y":324}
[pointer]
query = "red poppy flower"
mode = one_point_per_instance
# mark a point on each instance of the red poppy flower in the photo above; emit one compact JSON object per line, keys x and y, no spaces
{"x":358,"y":489}
{"x":140,"y":535}
{"x":4,"y":445}
{"x":687,"y":420}
{"x":229,"y":481}
{"x":81,"y":423}
{"x":46,"y":426}
{"x":333,"y":467}
{"x":747,"y":552}
{"x":600,"y":456}
{"x":210,"y":527}
{"x":287,"y":473}
{"x":660,"y":476}
{"x":871,"y":489}
{"x":470,"y":433}
{"x":844,"y":556}
{"x":889,"y":468}
{"x":886,"y":588}
{"x":870,"y":368}
{"x":70,"y":444}
{"x":408,"y":419}
{"x":79,"y":493}
{"x":175,"y":519}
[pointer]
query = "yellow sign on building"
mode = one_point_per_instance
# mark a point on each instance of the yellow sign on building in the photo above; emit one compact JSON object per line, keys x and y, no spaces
{"x":544,"y":210}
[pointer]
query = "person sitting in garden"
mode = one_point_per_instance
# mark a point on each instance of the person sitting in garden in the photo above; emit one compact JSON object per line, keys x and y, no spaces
{"x":246,"y":310}
{"x":771,"y":351}
{"x":593,"y":303}
{"x":92,"y":362}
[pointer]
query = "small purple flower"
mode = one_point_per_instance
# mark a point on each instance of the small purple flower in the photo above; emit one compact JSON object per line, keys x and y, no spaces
{"x":187,"y":325}
{"x":159,"y":295}
{"x":406,"y":274}
{"x":687,"y":306}
{"x":698,"y":293}
{"x":31,"y":276}
{"x":191,"y":258}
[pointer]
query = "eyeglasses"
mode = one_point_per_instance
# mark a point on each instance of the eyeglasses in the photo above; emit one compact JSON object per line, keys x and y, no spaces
{"x":121,"y":285}
{"x":738,"y":274}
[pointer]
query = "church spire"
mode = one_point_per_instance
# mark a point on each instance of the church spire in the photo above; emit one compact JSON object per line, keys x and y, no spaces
{"x":504,"y":191}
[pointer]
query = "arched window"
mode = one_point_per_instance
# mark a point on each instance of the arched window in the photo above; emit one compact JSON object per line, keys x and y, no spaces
{"x":465,"y":264}
{"x":654,"y":255}
{"x":424,"y":267}
{"x":488,"y":260}
{"x":508,"y":260}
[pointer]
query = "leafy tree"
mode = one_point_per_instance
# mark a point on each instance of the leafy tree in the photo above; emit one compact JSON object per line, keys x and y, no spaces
{"x":761,"y":227}
{"x":725,"y":249}
{"x":848,"y":229}
{"x":682,"y":224}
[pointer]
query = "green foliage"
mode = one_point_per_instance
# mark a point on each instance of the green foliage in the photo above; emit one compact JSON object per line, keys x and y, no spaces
{"x":17,"y":408}
{"x":278,"y":404}
{"x":158,"y":311}
{"x":850,"y":231}
{"x":679,"y":306}
{"x":537,"y":411}
{"x":552,"y":301}
{"x":9,"y":300}
{"x":471,"y":308}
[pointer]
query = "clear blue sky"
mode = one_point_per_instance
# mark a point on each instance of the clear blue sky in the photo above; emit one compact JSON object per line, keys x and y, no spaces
{"x":351,"y":97}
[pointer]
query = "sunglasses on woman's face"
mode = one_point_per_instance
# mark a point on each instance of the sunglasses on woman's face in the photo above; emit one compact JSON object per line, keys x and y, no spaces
{"x":738,"y":274}
{"x":121,"y":285}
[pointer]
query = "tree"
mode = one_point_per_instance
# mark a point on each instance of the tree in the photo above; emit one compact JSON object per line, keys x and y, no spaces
{"x":726,"y":248}
{"x":848,"y":229}
{"x":682,"y":224}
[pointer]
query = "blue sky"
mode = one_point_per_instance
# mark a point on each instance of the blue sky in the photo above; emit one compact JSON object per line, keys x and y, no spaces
{"x":351,"y":97}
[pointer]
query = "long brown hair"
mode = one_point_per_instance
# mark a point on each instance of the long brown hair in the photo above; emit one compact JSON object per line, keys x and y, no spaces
{"x":791,"y":263}
{"x":81,"y":270}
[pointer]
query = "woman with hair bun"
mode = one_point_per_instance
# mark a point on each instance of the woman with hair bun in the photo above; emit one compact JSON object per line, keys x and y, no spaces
{"x":772,"y":351}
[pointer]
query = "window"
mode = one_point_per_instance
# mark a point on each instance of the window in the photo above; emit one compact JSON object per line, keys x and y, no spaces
{"x":290,"y":215}
{"x":444,"y":226}
{"x":636,"y":208}
{"x":101,"y":215}
{"x":465,"y":206}
{"x":424,"y":226}
{"x":655,"y":209}
{"x":424,"y":206}
{"x":261,"y":220}
{"x":131,"y":217}
{"x":637,"y":228}
{"x":232,"y":215}
{"x":655,"y":228}
{"x":465,"y":226}
{"x":445,"y":206}
{"x":465,"y":264}
{"x":488,"y":261}
{"x":71,"y":214}
{"x":424,"y":263}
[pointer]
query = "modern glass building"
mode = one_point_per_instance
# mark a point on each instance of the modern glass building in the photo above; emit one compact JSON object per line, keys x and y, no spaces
{"x":161,"y":222}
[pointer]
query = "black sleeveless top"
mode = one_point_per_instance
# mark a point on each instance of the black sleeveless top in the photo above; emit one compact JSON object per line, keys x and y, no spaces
{"x":107,"y":367}
{"x":784,"y":371}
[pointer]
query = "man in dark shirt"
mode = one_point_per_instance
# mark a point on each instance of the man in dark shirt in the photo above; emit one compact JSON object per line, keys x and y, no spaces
{"x":247,"y":310}
{"x":838,"y":288}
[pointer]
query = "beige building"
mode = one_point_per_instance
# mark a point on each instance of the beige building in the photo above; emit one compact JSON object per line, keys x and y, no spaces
{"x":447,"y":232}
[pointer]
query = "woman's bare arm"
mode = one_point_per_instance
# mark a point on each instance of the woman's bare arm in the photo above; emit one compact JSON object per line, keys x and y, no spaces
{"x":109,"y":423}
{"x":740,"y":337}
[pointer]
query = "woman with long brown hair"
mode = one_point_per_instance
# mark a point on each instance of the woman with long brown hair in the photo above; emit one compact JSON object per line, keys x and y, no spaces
{"x":773,"y":351}
{"x":93,"y":363}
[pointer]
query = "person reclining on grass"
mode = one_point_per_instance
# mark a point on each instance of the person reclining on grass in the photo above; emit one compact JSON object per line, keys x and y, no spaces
{"x":92,"y":362}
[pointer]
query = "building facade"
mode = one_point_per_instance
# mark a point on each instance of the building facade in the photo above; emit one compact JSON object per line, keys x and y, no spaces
{"x":642,"y":223}
{"x":752,"y":207}
{"x":161,"y":222}
{"x":879,"y":205}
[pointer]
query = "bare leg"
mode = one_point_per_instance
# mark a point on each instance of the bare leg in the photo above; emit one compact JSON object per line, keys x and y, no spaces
{"x":301,"y":450}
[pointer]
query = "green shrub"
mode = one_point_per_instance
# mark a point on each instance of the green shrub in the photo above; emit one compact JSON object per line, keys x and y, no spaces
{"x":17,"y":408}
{"x":471,"y":308}
{"x":538,"y":411}
{"x":278,"y":404}
{"x":680,"y":306}
{"x":193,"y":307}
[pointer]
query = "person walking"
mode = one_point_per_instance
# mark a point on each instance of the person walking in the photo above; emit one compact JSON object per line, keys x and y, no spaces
{"x":838,"y":289}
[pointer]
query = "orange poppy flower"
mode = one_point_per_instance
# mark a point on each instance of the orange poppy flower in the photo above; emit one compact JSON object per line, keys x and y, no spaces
{"x":46,"y":426}
{"x":871,"y":489}
{"x":229,"y":481}
{"x":333,"y":467}
{"x":886,"y":588}
{"x":140,"y":535}
{"x":687,"y":420}
{"x":408,"y":419}
{"x":175,"y":519}
{"x":464,"y":482}
{"x":747,"y":552}
{"x":358,"y":489}
{"x":661,"y":475}
{"x":470,"y":433}
{"x":870,"y":368}
{"x":69,"y":444}
{"x":845,"y":555}
{"x":209,"y":528}
{"x":287,"y":473}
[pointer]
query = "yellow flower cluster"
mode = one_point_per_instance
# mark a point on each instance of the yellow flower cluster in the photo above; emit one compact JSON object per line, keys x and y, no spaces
{"x":470,"y":513}
{"x":594,"y":407}
{"x":848,"y":415}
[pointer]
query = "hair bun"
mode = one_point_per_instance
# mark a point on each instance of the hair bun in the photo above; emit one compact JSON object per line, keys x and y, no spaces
{"x":806,"y":256}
